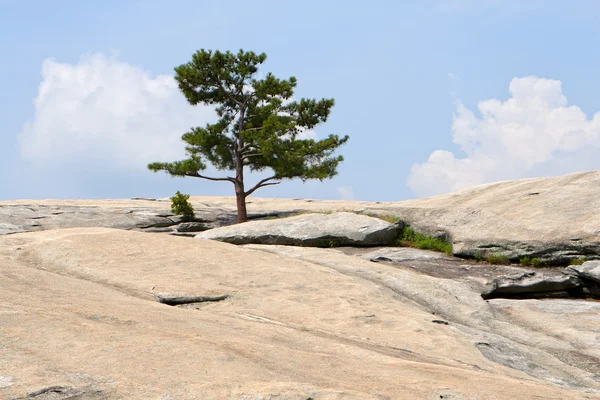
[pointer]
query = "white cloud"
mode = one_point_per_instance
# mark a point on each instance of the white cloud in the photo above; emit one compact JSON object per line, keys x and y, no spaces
{"x":533,"y":133}
{"x":345,"y":192}
{"x":452,"y":76}
{"x":107,"y":111}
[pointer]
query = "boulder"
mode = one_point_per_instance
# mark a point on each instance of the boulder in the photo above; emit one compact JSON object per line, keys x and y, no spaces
{"x":314,"y":230}
{"x":531,"y":284}
{"x":192,"y":227}
{"x":588,"y":270}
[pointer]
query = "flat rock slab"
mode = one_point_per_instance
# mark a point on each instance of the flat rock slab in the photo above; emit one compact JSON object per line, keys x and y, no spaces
{"x":143,"y":215}
{"x":439,"y":265}
{"x":403,"y":254}
{"x":314,"y":230}
{"x":575,"y":322}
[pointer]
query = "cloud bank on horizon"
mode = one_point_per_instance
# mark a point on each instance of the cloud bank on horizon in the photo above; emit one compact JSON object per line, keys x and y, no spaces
{"x":533,"y":133}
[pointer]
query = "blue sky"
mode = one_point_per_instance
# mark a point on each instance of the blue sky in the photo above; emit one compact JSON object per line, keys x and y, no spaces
{"x":435,"y":95}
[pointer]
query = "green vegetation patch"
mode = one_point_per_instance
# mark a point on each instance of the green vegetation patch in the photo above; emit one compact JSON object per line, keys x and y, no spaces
{"x":531,"y":261}
{"x":411,"y":238}
{"x":578,"y":261}
{"x":497,"y":259}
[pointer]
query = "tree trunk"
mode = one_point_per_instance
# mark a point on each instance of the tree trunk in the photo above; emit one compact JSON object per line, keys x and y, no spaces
{"x":240,"y":197}
{"x":240,"y":193}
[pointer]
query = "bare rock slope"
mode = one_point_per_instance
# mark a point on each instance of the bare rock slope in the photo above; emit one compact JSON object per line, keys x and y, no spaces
{"x":92,"y":306}
{"x":79,"y":318}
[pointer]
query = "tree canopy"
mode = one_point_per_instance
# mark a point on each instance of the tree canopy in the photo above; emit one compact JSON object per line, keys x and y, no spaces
{"x":259,"y":125}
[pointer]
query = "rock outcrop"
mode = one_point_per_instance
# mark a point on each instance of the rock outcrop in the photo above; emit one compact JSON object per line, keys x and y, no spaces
{"x":315,"y":230}
{"x":555,"y":220}
{"x":589,"y":275}
{"x":589,"y":270}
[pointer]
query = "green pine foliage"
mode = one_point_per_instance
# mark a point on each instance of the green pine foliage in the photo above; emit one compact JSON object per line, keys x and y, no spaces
{"x":181,"y":206}
{"x":259,"y":125}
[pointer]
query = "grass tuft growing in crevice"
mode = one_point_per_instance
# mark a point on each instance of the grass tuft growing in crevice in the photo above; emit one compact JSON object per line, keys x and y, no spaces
{"x":497,"y":259}
{"x":411,"y":238}
{"x":531,"y":261}
{"x":578,"y":261}
{"x":392,"y":219}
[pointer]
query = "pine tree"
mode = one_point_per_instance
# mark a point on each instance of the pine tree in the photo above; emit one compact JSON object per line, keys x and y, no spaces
{"x":259,"y":125}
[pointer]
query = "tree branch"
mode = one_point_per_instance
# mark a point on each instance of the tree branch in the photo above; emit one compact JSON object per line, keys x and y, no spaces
{"x":262,"y":183}
{"x":246,"y":156}
{"x":197,"y":175}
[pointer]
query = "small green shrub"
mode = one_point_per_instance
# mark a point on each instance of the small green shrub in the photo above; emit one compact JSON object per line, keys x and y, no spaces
{"x":525,"y":261}
{"x":536,"y":262}
{"x":181,"y":206}
{"x":411,"y":238}
{"x":497,"y":259}
{"x":578,"y":261}
{"x":409,"y":235}
{"x":478,"y":257}
{"x":529,"y":261}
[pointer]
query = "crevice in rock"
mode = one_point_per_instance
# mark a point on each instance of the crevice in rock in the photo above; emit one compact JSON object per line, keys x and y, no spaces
{"x":54,"y":392}
{"x":272,"y":215}
{"x":179,"y":300}
{"x":556,"y":254}
{"x":49,"y":389}
{"x":159,"y":224}
{"x":530,"y":285}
